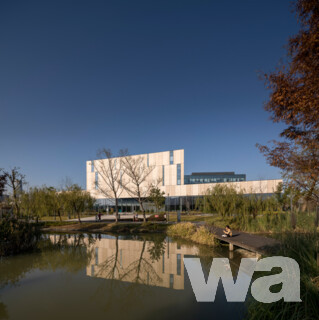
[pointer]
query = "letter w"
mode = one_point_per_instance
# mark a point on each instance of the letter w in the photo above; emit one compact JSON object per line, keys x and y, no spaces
{"x":220,"y":268}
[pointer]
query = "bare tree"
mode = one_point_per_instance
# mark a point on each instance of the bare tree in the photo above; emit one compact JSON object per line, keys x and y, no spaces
{"x":66,"y":183}
{"x":3,"y":180}
{"x":137,"y":183}
{"x":110,"y":172}
{"x":15,"y":180}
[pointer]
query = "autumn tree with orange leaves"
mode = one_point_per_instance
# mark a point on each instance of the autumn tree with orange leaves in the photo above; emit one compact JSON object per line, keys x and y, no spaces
{"x":294,"y":101}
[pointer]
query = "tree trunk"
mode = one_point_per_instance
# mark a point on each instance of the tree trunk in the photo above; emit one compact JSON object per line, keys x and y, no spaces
{"x":138,"y":269}
{"x":59,"y":214}
{"x":16,"y":203}
{"x":79,"y":217}
{"x":293,"y":216}
{"x":116,"y":257}
{"x":143,"y":211}
{"x":116,"y":210}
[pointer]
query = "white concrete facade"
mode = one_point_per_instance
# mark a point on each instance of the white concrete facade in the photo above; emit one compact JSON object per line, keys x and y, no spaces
{"x":166,"y":170}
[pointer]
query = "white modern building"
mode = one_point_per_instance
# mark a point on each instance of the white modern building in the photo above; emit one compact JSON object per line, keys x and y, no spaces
{"x":167,"y":171}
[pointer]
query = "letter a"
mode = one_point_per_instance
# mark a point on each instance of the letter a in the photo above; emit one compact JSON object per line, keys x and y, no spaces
{"x":289,"y":277}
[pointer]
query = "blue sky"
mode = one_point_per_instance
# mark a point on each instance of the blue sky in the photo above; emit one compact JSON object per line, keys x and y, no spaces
{"x":76,"y":76}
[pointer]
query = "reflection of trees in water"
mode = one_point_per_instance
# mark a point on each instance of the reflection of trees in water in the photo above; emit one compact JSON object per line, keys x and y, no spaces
{"x":12,"y":269}
{"x":157,"y":248}
{"x":71,"y":256}
{"x":110,"y":267}
{"x":129,"y":284}
{"x":141,"y":266}
{"x":68,"y":252}
{"x":3,"y":311}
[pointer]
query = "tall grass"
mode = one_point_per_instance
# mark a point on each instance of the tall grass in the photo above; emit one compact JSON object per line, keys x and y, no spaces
{"x":303,"y":248}
{"x":255,"y":213}
{"x":189,"y":231}
{"x":267,"y":222}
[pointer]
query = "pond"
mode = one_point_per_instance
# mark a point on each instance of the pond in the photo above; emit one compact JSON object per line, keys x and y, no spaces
{"x":95,"y":276}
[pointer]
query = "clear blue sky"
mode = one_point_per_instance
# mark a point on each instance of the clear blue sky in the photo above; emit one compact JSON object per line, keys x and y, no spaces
{"x":149,"y":76}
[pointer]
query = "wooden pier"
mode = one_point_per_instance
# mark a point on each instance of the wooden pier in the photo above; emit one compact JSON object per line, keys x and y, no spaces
{"x":255,"y":243}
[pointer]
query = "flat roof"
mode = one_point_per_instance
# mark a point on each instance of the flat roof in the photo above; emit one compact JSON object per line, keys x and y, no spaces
{"x":139,"y":154}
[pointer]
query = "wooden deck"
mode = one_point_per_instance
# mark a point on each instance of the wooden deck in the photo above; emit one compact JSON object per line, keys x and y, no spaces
{"x":251,"y":242}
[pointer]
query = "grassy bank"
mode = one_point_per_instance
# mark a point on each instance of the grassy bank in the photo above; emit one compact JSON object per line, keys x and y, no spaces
{"x":102,"y":227}
{"x":265,"y":222}
{"x":189,"y":231}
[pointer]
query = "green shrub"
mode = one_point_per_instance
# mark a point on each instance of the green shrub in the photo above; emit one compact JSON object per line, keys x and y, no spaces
{"x":17,"y":236}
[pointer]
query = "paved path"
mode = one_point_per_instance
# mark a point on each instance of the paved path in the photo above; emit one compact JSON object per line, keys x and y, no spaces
{"x":248,"y":241}
{"x":110,"y":218}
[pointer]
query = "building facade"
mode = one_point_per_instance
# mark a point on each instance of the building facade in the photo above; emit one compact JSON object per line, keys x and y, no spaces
{"x":167,"y":171}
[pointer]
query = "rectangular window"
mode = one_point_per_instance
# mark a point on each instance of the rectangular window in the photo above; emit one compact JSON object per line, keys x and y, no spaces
{"x":179,"y":264}
{"x":171,"y":281}
{"x":148,"y":160}
{"x":96,"y":180}
{"x":92,"y":270}
{"x":171,"y":157}
{"x":115,"y":164}
{"x":92,"y":166}
{"x":178,"y":174}
{"x":163,"y":174}
{"x":163,"y":263}
{"x":96,"y":256}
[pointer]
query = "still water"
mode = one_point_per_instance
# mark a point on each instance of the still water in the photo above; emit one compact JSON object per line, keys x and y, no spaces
{"x":82,"y":276}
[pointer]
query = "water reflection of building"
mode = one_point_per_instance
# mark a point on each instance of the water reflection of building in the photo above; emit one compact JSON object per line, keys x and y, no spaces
{"x":144,"y":262}
{"x":131,"y":261}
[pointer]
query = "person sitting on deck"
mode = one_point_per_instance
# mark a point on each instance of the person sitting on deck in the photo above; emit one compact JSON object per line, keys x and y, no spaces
{"x":227,"y":232}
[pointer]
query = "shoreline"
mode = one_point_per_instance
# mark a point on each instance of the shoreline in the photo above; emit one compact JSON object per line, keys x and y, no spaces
{"x":109,"y":227}
{"x":132,"y":227}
